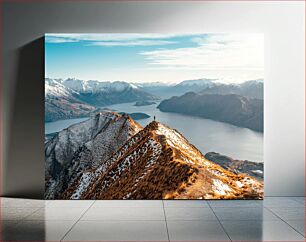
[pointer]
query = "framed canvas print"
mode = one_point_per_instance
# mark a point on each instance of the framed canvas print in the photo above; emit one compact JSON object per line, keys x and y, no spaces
{"x":154,"y":116}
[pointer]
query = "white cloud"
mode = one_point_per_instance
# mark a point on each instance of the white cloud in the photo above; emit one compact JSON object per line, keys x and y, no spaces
{"x":228,"y":57}
{"x":51,"y":39}
{"x":113,"y":39}
{"x":215,"y":52}
{"x":114,"y":36}
{"x":132,"y":43}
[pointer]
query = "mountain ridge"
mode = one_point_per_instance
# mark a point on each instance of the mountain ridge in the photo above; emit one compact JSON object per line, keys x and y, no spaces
{"x":73,"y":98}
{"x":62,"y":102}
{"x":233,"y":109}
{"x":249,"y":88}
{"x":251,"y":168}
{"x":81,"y":146}
{"x":159,"y":163}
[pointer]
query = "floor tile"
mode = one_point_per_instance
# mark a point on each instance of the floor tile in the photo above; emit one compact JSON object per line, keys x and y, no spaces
{"x":298,"y":225}
{"x":281,"y":202}
{"x":21,"y":203}
{"x":16,"y":213}
{"x":196,"y":231}
{"x":143,"y":220}
{"x":127,"y":203}
{"x":261,"y":231}
{"x":7,"y":227}
{"x":244,"y":214}
{"x":300,"y":200}
{"x":70,"y":203}
{"x":189,"y":214}
{"x":235,"y":203}
{"x":118,"y":231}
{"x":57,"y":214}
{"x":186,"y":203}
{"x":121,"y":213}
{"x":39,"y":230}
{"x":289,"y":213}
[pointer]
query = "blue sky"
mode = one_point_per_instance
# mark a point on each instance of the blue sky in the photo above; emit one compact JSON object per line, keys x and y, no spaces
{"x":154,"y":57}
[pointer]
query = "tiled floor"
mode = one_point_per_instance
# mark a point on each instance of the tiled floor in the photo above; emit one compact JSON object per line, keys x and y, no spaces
{"x":274,"y":219}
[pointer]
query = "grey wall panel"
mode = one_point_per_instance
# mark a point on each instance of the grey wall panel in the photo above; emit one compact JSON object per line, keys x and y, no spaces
{"x":24,"y":25}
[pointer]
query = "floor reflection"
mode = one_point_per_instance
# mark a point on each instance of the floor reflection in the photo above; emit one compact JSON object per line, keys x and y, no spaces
{"x":26,"y":230}
{"x":274,"y":219}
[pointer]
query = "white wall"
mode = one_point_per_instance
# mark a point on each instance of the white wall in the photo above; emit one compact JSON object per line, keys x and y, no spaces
{"x":282,"y":22}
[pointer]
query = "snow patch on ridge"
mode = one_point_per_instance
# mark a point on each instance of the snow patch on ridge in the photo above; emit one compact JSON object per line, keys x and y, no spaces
{"x":85,"y":180}
{"x":220,"y":187}
{"x":177,"y":141}
{"x":157,"y":150}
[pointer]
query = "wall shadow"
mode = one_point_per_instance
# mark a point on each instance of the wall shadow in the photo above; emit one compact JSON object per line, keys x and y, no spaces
{"x":24,"y":168}
{"x":28,"y":230}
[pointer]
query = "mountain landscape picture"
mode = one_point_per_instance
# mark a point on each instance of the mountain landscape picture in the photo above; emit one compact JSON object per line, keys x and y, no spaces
{"x":154,"y":116}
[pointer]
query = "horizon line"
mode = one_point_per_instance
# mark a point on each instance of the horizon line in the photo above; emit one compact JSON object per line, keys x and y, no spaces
{"x":164,"y":82}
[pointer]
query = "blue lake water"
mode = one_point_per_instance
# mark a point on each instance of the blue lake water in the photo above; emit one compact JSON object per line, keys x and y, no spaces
{"x":207,"y":135}
{"x":52,"y":127}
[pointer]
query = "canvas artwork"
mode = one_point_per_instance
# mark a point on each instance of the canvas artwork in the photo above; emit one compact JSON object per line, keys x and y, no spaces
{"x":154,"y":116}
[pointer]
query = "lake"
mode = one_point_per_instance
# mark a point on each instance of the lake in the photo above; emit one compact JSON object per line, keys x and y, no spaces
{"x":52,"y":127}
{"x":207,"y":135}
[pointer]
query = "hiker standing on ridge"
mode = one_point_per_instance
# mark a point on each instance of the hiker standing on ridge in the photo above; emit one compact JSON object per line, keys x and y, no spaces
{"x":154,"y":117}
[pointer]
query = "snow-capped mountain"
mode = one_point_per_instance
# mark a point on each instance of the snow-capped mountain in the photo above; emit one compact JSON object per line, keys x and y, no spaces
{"x":251,"y":89}
{"x":54,"y":87}
{"x":153,"y":84}
{"x":93,"y":86}
{"x":193,"y":85}
{"x":84,"y":146}
{"x":204,"y":82}
{"x":72,"y":98}
{"x":63,"y":103}
{"x":167,"y":90}
{"x":159,"y":163}
{"x":74,"y":84}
